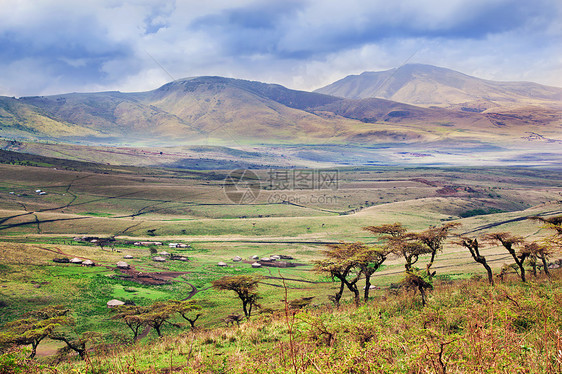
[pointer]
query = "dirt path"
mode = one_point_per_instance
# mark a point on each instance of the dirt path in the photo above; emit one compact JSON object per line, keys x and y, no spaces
{"x":516,"y":219}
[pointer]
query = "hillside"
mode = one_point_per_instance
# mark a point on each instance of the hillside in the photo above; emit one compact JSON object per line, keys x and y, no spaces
{"x":284,"y":127}
{"x":427,"y":85}
{"x":189,"y":111}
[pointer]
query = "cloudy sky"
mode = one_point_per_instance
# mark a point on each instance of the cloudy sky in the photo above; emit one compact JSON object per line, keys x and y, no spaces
{"x":57,"y":46}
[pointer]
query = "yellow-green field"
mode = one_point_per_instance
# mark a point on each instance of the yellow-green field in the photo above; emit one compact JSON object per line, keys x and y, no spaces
{"x":133,"y":204}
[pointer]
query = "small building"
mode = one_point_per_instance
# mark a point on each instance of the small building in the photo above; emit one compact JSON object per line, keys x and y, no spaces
{"x":75,"y":260}
{"x":123,"y":265}
{"x":237,"y":259}
{"x":255,"y":257}
{"x":276,"y":257}
{"x":128,"y":257}
{"x":158,"y":259}
{"x":164,"y":253}
{"x":222,"y":264}
{"x":88,"y":263}
{"x":115,"y":303}
{"x":256,"y":265}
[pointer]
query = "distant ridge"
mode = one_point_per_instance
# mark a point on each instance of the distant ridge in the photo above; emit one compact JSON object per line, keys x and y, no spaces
{"x":218,"y":111}
{"x":428,"y":85}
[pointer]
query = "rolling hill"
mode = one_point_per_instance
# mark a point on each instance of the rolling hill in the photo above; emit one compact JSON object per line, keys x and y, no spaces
{"x":427,"y":85}
{"x":243,"y":115}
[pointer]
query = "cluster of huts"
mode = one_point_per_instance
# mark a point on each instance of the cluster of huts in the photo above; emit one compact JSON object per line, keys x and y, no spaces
{"x":75,"y":260}
{"x":171,"y":245}
{"x":257,"y":262}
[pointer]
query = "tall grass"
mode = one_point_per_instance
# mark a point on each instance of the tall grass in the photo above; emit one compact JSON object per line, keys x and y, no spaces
{"x":467,"y":327}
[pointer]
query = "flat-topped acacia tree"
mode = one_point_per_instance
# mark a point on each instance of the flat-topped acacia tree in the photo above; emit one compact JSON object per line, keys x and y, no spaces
{"x":245,"y":286}
{"x":347,"y":262}
{"x":510,"y":242}
{"x":433,"y":238}
{"x":473,"y":247}
{"x":35,"y":326}
{"x":412,"y":245}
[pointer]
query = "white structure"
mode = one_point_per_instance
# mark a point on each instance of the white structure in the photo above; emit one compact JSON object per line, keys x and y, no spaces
{"x":158,"y":259}
{"x":75,"y":260}
{"x":222,"y":264}
{"x":122,"y":265}
{"x":88,"y":263}
{"x":237,"y":259}
{"x":256,"y":265}
{"x":114,"y":303}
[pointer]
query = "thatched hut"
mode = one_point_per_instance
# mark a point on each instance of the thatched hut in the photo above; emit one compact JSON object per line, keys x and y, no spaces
{"x":256,"y":265}
{"x":237,"y":259}
{"x":88,"y":263}
{"x":158,"y":259}
{"x":123,"y":265}
{"x":222,"y":264}
{"x":115,"y":303}
{"x":76,"y":260}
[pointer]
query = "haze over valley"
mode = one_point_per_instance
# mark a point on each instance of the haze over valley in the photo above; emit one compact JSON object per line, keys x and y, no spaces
{"x":416,"y":113}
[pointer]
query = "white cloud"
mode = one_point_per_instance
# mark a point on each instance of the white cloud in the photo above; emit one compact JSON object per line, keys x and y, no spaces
{"x":53,"y":46}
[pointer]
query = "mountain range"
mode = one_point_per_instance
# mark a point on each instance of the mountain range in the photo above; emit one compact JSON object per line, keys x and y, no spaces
{"x":413,"y":104}
{"x":427,"y":85}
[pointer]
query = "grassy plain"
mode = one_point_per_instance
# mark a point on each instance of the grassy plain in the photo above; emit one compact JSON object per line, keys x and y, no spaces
{"x":167,"y":205}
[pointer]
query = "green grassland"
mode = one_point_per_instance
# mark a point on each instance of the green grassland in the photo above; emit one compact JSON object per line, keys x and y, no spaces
{"x":164,"y":205}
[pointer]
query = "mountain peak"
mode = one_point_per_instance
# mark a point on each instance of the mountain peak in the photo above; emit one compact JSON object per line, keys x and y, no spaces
{"x":429,"y":85}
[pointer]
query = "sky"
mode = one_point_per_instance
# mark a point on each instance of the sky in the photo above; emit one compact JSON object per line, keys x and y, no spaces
{"x":60,"y":46}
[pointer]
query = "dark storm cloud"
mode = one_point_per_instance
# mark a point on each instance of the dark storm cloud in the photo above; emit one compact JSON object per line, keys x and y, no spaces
{"x":262,"y":28}
{"x":49,"y":46}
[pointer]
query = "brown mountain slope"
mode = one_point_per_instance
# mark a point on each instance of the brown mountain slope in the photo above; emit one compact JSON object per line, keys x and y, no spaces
{"x":427,"y":85}
{"x":232,"y":112}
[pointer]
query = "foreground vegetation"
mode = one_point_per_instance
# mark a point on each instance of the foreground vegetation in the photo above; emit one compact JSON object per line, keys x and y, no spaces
{"x":467,"y":326}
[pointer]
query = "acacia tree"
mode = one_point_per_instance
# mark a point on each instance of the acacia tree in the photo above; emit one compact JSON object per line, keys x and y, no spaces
{"x":245,"y":286}
{"x":415,"y":281}
{"x":400,"y":242}
{"x":369,"y":260}
{"x":537,"y":251}
{"x":131,"y":316}
{"x":184,"y":308}
{"x":34,"y":327}
{"x":509,"y":241}
{"x":434,"y":238}
{"x":551,"y":243}
{"x":158,"y":314}
{"x":411,"y":246}
{"x":335,"y":270}
{"x":473,"y":247}
{"x":342,"y":263}
{"x":78,"y":343}
{"x":347,"y":262}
